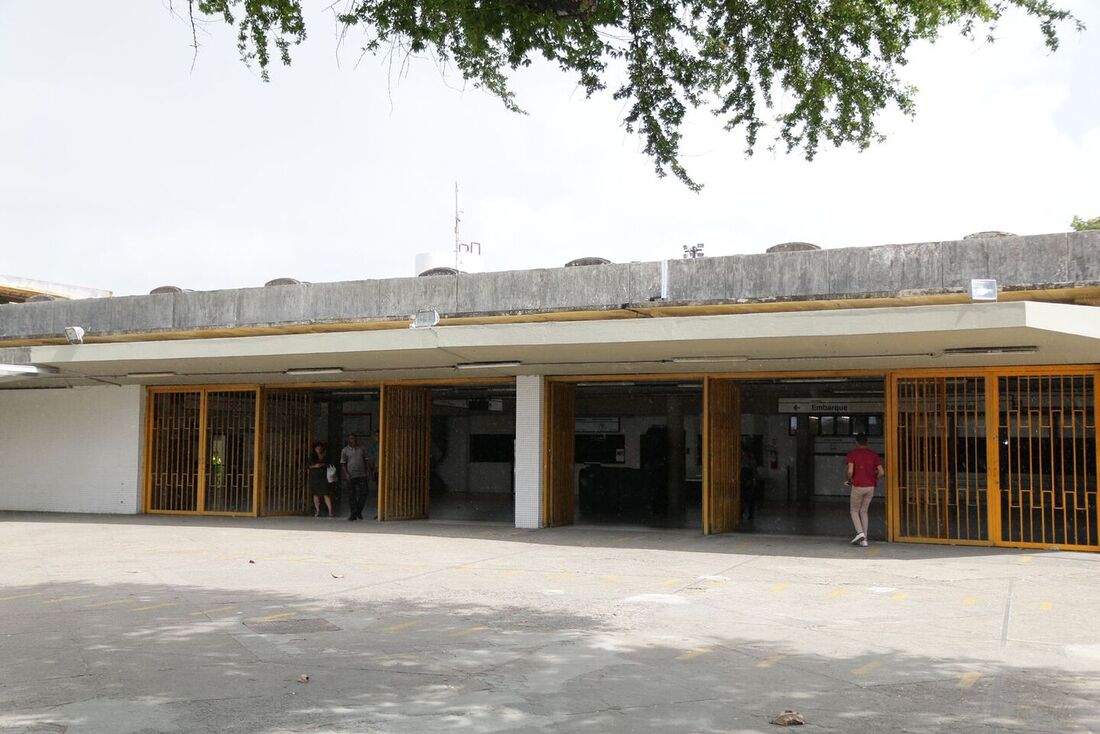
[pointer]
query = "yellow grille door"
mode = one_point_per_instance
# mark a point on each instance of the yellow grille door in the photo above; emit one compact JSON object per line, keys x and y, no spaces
{"x":173,"y":453}
{"x":560,"y":451}
{"x":287,"y":447}
{"x":405,"y":452}
{"x":941,"y":459}
{"x":1047,"y":434}
{"x":722,"y":456}
{"x":230,"y":458}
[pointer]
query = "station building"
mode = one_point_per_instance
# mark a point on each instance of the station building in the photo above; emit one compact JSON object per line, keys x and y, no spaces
{"x":719,"y":393}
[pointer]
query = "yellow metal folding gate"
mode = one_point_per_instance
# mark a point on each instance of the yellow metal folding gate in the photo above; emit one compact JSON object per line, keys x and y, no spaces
{"x":721,"y":455}
{"x":202,"y":451}
{"x":995,"y":457}
{"x":405,"y":451}
{"x":561,"y":423}
{"x":1047,"y":434}
{"x":287,"y":443}
{"x":940,"y":459}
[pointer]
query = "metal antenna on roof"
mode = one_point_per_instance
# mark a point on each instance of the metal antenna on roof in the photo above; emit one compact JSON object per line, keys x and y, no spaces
{"x":458,"y":218}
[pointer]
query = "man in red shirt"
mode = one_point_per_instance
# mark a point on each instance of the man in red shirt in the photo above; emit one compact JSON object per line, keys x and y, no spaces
{"x":864,"y":470}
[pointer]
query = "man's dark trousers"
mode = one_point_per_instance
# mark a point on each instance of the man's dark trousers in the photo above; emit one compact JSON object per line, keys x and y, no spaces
{"x":357,"y":497}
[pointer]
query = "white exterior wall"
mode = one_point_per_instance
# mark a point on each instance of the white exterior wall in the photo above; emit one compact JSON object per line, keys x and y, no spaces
{"x":74,"y":450}
{"x":530,"y":390}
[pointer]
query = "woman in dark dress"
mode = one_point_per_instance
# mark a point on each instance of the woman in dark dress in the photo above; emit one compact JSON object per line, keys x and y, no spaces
{"x":319,"y":484}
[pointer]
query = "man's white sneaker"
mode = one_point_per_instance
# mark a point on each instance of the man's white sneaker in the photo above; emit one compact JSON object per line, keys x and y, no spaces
{"x":863,"y":543}
{"x":859,"y":537}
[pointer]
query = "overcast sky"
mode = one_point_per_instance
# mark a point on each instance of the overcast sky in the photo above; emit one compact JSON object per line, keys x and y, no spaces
{"x":121,"y":168}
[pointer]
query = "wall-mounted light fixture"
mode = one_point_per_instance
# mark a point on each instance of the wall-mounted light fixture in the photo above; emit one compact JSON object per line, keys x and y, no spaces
{"x":486,"y":365}
{"x":74,"y":334}
{"x":314,"y":371}
{"x":425,"y":318}
{"x":983,"y":289}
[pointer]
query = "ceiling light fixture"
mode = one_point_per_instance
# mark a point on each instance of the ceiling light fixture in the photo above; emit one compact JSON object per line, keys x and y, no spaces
{"x":708,"y":360}
{"x":486,"y":365}
{"x":314,"y":371}
{"x":1025,"y":349}
{"x":820,"y":357}
{"x":140,"y":375}
{"x":27,"y":369}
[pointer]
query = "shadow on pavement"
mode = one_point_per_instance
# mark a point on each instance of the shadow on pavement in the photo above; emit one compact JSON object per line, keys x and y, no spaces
{"x":127,"y":658}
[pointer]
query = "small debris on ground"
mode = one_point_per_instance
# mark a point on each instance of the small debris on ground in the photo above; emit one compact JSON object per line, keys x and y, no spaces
{"x":303,"y":678}
{"x":251,"y":561}
{"x":337,"y":575}
{"x":788,"y":718}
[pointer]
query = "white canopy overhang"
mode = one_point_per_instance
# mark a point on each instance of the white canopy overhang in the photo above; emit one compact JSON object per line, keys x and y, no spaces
{"x":850,"y":339}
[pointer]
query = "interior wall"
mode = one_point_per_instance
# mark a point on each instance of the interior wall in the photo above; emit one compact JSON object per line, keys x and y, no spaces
{"x":72,"y":450}
{"x":463,"y":475}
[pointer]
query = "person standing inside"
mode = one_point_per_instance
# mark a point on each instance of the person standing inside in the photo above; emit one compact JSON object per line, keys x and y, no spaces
{"x":320,"y":486}
{"x":353,"y":462}
{"x":864,"y":471}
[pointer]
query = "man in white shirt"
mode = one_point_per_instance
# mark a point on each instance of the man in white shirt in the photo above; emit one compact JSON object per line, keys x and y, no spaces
{"x":355,"y":466}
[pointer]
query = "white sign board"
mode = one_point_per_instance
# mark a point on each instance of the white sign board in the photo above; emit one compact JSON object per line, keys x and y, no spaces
{"x":831,"y":406}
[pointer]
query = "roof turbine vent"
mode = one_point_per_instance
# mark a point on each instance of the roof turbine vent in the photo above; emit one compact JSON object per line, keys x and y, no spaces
{"x":583,"y":261}
{"x":793,"y":247}
{"x":988,"y":235}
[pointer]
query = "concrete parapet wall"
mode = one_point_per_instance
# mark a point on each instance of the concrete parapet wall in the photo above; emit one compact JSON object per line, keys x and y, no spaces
{"x":1042,"y":261}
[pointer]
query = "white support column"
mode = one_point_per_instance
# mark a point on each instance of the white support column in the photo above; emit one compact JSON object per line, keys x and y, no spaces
{"x":530,"y":391}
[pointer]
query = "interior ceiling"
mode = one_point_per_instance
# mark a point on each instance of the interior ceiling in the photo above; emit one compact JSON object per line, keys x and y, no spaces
{"x":778,"y":343}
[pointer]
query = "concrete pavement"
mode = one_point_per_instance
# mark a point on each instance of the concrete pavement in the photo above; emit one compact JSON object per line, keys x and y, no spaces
{"x":168,"y":624}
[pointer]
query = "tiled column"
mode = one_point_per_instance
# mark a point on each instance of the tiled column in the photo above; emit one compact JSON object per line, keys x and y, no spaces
{"x":530,"y":391}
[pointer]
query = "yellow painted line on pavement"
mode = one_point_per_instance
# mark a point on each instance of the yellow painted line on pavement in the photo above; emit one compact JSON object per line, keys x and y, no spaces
{"x":778,"y":587}
{"x":837,"y":593}
{"x":868,"y":668}
{"x":671,"y":582}
{"x":768,"y":662}
{"x":900,"y":596}
{"x":108,"y":603}
{"x":468,"y":630}
{"x":969,"y":679}
{"x":970,"y":601}
{"x":562,"y":576}
{"x":1026,"y":559}
{"x":1046,"y":606}
{"x":693,"y":653}
{"x":21,"y":596}
{"x":874,"y":552}
{"x":212,"y":611}
{"x":460,"y":569}
{"x":623,"y":539}
{"x":612,"y":579}
{"x":155,"y":606}
{"x":403,"y":626}
{"x":273,"y":617}
{"x":60,"y":599}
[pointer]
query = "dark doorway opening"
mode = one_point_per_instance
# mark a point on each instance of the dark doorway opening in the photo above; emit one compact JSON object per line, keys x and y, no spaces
{"x":638,"y":454}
